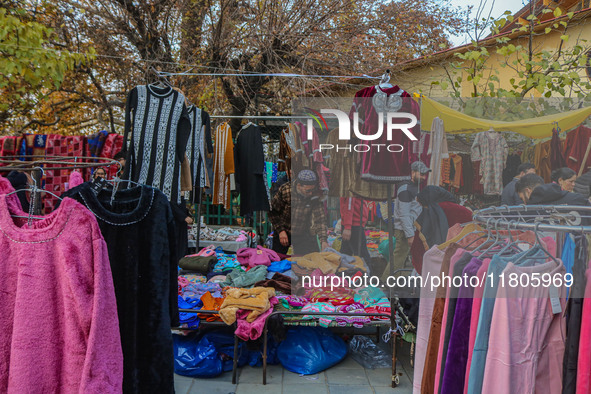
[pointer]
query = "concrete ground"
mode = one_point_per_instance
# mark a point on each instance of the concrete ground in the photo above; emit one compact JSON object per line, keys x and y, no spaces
{"x":344,"y":378}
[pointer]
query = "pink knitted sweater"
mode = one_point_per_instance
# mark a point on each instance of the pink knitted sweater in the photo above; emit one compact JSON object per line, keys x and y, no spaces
{"x":58,"y":316}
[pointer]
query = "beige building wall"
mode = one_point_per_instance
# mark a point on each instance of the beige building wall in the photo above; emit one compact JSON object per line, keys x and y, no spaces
{"x":418,"y":76}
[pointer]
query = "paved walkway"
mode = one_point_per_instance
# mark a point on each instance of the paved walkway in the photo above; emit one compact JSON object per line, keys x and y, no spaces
{"x":348,"y":377}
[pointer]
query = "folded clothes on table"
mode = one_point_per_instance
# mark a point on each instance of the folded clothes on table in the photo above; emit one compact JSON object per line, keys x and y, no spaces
{"x":187,"y":279}
{"x":279,"y":282}
{"x":323,"y":320}
{"x":370,"y":296}
{"x":226,"y":261}
{"x":256,"y":300}
{"x":211,"y":303}
{"x":190,"y":319}
{"x":280,"y":266}
{"x":260,"y":256}
{"x":217,"y":279}
{"x":327,"y":262}
{"x":196,"y":290}
{"x":351,"y":310}
{"x":200,"y":264}
{"x":223,"y":272}
{"x":246,"y":330}
{"x":239,"y":278}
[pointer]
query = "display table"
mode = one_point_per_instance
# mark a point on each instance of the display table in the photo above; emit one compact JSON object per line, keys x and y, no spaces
{"x":227,"y":246}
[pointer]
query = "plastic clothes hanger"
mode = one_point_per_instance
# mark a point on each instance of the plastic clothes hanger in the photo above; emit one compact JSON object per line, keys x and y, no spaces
{"x":470,"y":228}
{"x":488,"y":237}
{"x":33,"y":189}
{"x":161,"y":82}
{"x":537,"y":246}
{"x":513,"y":242}
{"x":497,"y":241}
{"x":385,"y":81}
{"x":117,"y":181}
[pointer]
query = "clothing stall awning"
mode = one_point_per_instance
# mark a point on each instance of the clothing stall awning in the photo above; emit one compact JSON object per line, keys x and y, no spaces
{"x":539,"y":127}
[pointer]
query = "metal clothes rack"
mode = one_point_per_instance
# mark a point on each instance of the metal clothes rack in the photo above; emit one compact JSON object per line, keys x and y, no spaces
{"x":558,"y":219}
{"x":536,"y":217}
{"x":35,"y":163}
{"x":65,"y":162}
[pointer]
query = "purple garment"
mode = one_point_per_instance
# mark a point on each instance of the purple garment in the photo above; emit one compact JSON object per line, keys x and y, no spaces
{"x":457,"y":350}
{"x":194,"y":291}
{"x":352,"y":309}
{"x":259,"y":256}
{"x":252,"y":331}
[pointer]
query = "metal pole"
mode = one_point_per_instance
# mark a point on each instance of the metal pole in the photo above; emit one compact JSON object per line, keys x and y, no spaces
{"x":265,"y":331}
{"x":235,"y":363}
{"x":391,"y":265}
{"x":36,"y":209}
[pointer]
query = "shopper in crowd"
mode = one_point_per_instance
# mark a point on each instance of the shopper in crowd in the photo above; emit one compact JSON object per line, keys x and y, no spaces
{"x":354,"y":215}
{"x":406,"y":210}
{"x":526,"y":185}
{"x":99,"y":173}
{"x":533,"y":191}
{"x":509,"y":196}
{"x":440,"y":211}
{"x":298,"y":217}
{"x":565,"y":178}
{"x":120,"y":157}
{"x":583,"y":184}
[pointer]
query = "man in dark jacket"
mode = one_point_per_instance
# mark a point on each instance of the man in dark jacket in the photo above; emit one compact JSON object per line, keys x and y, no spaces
{"x":583,"y":184}
{"x":298,"y":217}
{"x":509,"y":195}
{"x":532,"y":190}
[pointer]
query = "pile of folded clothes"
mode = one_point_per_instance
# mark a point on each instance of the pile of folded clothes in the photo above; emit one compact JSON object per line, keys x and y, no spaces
{"x":328,"y":262}
{"x":249,"y":308}
{"x":374,"y":239}
{"x":205,"y":277}
{"x":223,"y":234}
{"x":343,"y":300}
{"x":245,"y":288}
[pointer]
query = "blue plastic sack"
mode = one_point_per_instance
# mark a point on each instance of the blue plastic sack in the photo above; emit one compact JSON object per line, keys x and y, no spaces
{"x":209,"y":355}
{"x":309,"y":350}
{"x":198,"y":359}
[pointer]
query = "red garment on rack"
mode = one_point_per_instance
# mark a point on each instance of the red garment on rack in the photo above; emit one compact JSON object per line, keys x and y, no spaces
{"x":113,"y":145}
{"x":380,"y":165}
{"x":477,"y":186}
{"x":575,"y":148}
{"x":10,"y":146}
{"x":55,"y":180}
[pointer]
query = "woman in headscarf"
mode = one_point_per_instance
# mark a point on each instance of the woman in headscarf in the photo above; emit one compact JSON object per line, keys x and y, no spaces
{"x":440,"y":212}
{"x":565,"y":177}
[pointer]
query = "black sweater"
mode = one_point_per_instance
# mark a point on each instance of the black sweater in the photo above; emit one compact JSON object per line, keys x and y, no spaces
{"x":139,"y":231}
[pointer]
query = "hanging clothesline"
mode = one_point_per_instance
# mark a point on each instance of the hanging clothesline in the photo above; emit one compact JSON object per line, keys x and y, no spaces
{"x":284,"y":75}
